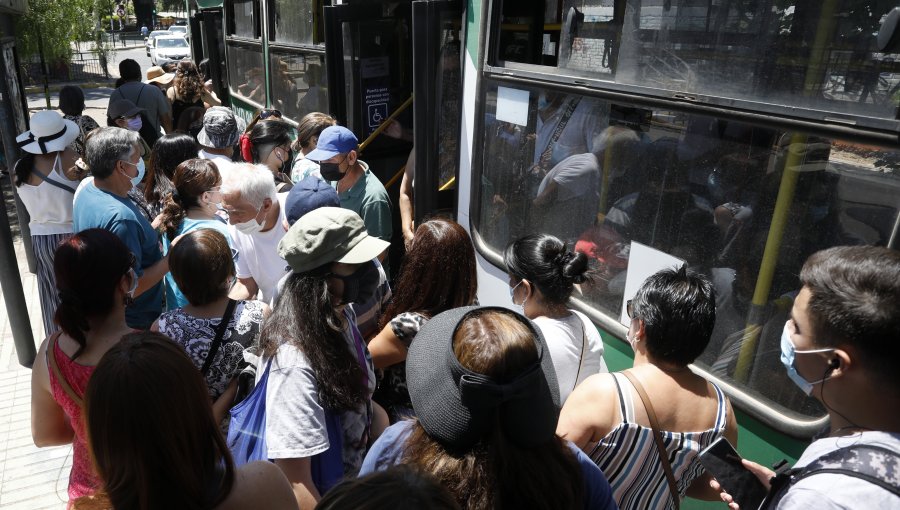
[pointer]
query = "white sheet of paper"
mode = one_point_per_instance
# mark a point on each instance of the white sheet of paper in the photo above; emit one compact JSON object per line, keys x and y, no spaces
{"x":512,"y":105}
{"x":643,"y":262}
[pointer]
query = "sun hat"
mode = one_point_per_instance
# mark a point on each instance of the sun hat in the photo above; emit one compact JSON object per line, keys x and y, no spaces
{"x":328,"y":234}
{"x":50,"y":132}
{"x":308,"y":195}
{"x":221,"y":128}
{"x":122,"y":108}
{"x":334,"y":140}
{"x":456,"y":406}
{"x":157,"y":74}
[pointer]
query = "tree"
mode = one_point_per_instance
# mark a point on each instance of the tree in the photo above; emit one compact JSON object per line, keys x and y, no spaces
{"x":61,"y":23}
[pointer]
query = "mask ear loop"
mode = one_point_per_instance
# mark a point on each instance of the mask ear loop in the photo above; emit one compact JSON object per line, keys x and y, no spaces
{"x":831,"y":368}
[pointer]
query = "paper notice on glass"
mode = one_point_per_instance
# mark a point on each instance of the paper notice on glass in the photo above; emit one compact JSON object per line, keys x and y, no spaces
{"x":512,"y":105}
{"x":643,"y":262}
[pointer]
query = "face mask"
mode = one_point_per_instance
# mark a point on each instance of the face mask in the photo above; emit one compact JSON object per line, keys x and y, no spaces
{"x":331,"y":171}
{"x":134,"y":283}
{"x":250,"y":226}
{"x":135,"y":123}
{"x":512,"y":290}
{"x":286,"y":164}
{"x":360,"y":286}
{"x":788,"y":353}
{"x":140,"y":172}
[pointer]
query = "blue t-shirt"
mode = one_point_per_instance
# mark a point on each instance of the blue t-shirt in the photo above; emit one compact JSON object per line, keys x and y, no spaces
{"x":95,"y":208}
{"x":174,"y":297}
{"x":388,"y":450}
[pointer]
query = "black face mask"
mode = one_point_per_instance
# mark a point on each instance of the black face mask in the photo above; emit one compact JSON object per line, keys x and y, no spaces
{"x":360,"y":286}
{"x":331,"y":171}
{"x":288,"y":163}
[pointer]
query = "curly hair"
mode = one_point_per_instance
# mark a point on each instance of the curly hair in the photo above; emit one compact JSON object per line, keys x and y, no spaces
{"x":188,"y":83}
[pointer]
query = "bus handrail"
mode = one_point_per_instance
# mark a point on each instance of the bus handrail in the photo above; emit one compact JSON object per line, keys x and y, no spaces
{"x":385,"y":124}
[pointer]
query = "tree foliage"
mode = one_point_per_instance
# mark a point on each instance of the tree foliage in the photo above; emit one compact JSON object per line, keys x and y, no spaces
{"x":57,"y":22}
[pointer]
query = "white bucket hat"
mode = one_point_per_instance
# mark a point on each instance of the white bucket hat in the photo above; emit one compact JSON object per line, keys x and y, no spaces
{"x":50,"y":132}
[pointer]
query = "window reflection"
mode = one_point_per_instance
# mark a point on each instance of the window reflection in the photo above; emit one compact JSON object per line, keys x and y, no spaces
{"x":294,"y":21}
{"x":715,"y":193}
{"x":245,"y":67}
{"x":298,"y":84}
{"x":245,"y":18}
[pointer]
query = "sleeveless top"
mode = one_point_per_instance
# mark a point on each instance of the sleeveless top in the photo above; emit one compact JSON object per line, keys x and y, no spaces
{"x":82,"y":479}
{"x":180,"y":105}
{"x":49,"y":206}
{"x":628,"y":456}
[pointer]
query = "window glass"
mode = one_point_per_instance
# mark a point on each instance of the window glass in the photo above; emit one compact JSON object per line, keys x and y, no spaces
{"x":817,"y":55}
{"x":712,"y":192}
{"x":447,"y":96}
{"x":294,"y":21}
{"x":245,"y":18}
{"x":298,"y":84}
{"x":246,"y":73}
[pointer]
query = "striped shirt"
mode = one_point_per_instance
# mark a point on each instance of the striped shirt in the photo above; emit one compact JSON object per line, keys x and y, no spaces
{"x":628,"y":456}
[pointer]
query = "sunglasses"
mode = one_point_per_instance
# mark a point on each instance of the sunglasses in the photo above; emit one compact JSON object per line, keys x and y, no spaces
{"x":629,"y":309}
{"x":267,"y":114}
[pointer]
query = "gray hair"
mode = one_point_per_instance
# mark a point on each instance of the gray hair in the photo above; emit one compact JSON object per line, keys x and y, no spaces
{"x":255,"y":183}
{"x":105,"y":146}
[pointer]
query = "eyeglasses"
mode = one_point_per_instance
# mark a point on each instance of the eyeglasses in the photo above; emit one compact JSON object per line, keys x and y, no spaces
{"x":234,"y":254}
{"x":266,"y":114}
{"x":629,"y":309}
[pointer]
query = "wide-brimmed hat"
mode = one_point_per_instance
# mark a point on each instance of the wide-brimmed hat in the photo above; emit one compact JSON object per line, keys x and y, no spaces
{"x":50,"y":132}
{"x":122,"y":108}
{"x":328,"y":234}
{"x":308,"y":195}
{"x":221,"y":128}
{"x":334,"y":140}
{"x":157,"y":74}
{"x":457,"y":406}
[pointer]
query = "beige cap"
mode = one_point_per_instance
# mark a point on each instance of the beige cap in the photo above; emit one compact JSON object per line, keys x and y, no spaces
{"x":156,"y":74}
{"x":326,"y":235}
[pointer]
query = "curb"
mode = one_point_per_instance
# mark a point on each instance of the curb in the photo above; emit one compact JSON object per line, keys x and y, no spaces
{"x":39,"y":89}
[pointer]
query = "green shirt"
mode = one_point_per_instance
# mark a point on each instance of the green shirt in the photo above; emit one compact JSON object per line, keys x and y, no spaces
{"x":369,"y":199}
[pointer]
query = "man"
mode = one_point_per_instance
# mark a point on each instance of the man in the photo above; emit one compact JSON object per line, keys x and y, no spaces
{"x":148,"y":97}
{"x":358,"y":188}
{"x":114,"y":157}
{"x":221,"y":131}
{"x":144,"y":30}
{"x":257,"y":217}
{"x":841,"y":347}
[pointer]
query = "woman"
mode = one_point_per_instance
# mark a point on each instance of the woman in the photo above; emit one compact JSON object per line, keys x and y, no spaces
{"x":671,"y":319}
{"x":71,"y":103}
{"x":202,"y":266}
{"x":95,"y":279}
{"x":46,"y":178}
{"x":154,"y":440}
{"x":168,"y":152}
{"x":543,"y":272}
{"x":397,"y":488}
{"x":484,"y":391}
{"x":320,"y":375}
{"x":308,"y":131}
{"x":438,"y":274}
{"x":269,"y":143}
{"x":187,"y":91}
{"x":193,"y":205}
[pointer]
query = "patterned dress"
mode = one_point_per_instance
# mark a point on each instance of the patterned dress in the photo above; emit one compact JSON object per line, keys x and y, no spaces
{"x":195,"y":335}
{"x":392,"y":393}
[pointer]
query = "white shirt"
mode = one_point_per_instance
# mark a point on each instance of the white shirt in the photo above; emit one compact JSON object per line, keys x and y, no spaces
{"x":258,"y":254}
{"x":222,"y":162}
{"x":572,"y":341}
{"x":49,"y":206}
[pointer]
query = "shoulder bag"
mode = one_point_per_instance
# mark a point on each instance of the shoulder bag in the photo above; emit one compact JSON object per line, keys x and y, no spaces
{"x":220,"y":333}
{"x":657,"y":437}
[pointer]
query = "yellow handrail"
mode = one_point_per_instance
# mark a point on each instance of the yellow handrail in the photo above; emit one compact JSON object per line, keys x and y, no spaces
{"x":449,"y":184}
{"x":385,"y":124}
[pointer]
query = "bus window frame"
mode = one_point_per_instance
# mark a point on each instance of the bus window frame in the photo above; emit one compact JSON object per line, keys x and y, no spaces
{"x":232,"y":42}
{"x":883,"y":130}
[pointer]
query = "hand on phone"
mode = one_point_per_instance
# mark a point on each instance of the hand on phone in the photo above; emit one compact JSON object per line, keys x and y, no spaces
{"x":738,"y":481}
{"x":763,"y":473}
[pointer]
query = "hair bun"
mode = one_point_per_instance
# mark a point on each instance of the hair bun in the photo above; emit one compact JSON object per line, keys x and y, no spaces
{"x":574,"y":265}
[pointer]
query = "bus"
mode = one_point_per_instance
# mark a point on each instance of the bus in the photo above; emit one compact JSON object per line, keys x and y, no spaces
{"x":737,"y":137}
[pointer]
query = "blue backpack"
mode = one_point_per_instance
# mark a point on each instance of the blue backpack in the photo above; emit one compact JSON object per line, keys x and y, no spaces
{"x":247,"y":427}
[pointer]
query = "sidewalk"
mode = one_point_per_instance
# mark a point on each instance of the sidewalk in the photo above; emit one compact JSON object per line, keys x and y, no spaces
{"x":30,"y":477}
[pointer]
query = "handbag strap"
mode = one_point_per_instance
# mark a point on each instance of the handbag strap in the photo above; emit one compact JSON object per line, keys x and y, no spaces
{"x":583,"y":346}
{"x":220,"y":333}
{"x":54,"y":366}
{"x":657,"y":437}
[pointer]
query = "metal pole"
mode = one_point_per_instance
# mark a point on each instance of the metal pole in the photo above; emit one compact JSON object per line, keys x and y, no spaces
{"x":43,"y":65}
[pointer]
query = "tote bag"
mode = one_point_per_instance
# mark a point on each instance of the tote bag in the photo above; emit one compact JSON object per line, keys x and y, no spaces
{"x":247,"y":428}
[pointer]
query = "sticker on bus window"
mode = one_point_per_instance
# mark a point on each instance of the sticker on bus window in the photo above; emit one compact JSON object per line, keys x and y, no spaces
{"x":643,"y":262}
{"x":512,"y":105}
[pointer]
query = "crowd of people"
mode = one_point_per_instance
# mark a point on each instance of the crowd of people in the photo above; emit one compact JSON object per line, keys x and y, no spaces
{"x":222,"y":333}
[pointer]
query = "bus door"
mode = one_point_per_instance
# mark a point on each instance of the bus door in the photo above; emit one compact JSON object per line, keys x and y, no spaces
{"x":208,"y":43}
{"x":437,"y":86}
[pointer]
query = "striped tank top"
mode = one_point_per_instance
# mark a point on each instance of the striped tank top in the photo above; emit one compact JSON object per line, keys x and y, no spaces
{"x":629,"y":458}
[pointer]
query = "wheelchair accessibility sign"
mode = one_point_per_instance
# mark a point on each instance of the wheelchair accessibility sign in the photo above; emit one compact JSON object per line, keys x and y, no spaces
{"x":378,"y":112}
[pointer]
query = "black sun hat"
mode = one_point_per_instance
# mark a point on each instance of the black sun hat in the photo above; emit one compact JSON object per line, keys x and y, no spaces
{"x":456,"y":406}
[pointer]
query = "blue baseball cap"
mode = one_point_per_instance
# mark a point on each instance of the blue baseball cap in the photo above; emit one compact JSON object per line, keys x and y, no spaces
{"x":334,"y":140}
{"x":307,"y":195}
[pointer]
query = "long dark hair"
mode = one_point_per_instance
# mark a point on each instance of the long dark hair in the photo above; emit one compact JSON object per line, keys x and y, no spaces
{"x":192,"y":179}
{"x":167,"y":153}
{"x":496,"y":473}
{"x":305,"y":317}
{"x":151,"y":430}
{"x":23,"y":168}
{"x":272,"y":133}
{"x":438,"y":271}
{"x":547,"y":263}
{"x":88,"y":266}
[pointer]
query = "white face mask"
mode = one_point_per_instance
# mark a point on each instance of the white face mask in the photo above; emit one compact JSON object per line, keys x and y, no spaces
{"x":250,"y":226}
{"x":518,"y":307}
{"x":134,"y":283}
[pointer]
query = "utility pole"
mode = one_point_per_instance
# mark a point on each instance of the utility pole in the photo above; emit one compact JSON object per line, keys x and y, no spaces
{"x":43,"y":65}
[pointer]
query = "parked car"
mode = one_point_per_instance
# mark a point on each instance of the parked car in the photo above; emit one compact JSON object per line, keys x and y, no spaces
{"x":179,"y":29}
{"x":148,"y":41}
{"x":169,"y":49}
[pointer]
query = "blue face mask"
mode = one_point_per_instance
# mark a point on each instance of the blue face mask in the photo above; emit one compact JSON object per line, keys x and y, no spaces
{"x":788,"y":353}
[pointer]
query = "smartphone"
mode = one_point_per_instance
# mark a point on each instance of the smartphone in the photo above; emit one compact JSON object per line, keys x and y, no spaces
{"x":724,"y":463}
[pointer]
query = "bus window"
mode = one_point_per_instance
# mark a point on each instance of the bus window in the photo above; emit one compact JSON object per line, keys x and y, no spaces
{"x":744,"y":205}
{"x":295,"y":21}
{"x":817,"y":56}
{"x":246,"y":73}
{"x":298,"y":83}
{"x":244,"y":17}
